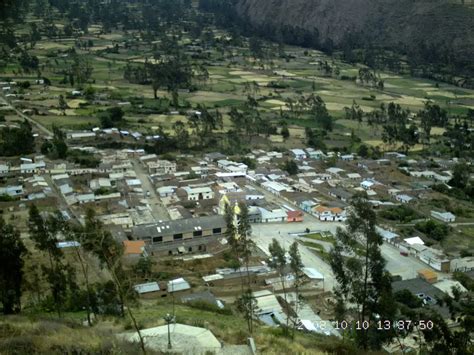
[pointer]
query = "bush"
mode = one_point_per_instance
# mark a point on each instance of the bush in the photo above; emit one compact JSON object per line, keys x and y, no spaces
{"x":407,"y":298}
{"x":400,"y":213}
{"x":432,"y":229}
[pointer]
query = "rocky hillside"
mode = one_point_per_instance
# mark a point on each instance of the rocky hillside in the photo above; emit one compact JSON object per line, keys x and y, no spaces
{"x":392,"y":20}
{"x":440,"y":26}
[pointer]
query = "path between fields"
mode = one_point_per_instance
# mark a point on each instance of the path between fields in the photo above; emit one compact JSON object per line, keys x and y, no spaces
{"x":40,"y":127}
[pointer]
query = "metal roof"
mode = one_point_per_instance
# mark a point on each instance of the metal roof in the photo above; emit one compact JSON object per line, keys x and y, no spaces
{"x":179,"y":226}
{"x":147,"y":287}
{"x":178,"y":285}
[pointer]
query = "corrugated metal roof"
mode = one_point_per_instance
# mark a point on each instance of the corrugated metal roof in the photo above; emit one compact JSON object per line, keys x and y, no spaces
{"x":147,"y":287}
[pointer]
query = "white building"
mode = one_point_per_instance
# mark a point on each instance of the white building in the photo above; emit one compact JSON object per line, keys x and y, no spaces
{"x":199,"y":193}
{"x":161,"y":167}
{"x":404,"y":198}
{"x":299,"y":154}
{"x":100,"y":183}
{"x":446,"y":217}
{"x":275,"y":187}
{"x":12,"y":191}
{"x":367,"y":184}
{"x":328,"y":214}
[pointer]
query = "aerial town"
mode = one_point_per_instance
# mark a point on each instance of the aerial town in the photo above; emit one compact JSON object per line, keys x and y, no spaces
{"x":235,"y":201}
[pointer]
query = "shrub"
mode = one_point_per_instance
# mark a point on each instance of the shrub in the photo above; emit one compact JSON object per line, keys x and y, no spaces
{"x":435,"y":230}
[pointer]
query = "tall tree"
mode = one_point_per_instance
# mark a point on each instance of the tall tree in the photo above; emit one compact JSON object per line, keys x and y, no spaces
{"x":296,"y":267}
{"x":109,"y":252}
{"x":359,"y":269}
{"x":44,"y":233}
{"x":12,"y":252}
{"x":278,"y":262}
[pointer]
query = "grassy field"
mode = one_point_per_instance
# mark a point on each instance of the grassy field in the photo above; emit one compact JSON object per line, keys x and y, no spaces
{"x":229,"y":76}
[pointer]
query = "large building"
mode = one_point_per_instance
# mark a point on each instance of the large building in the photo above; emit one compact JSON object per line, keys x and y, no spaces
{"x":182,"y":235}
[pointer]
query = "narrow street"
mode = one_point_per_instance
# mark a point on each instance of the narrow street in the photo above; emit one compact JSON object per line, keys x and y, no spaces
{"x":158,"y":210}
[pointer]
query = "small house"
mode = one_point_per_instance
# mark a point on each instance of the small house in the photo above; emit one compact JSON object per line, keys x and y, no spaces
{"x":404,"y":198}
{"x":446,"y":217}
{"x":294,"y":216}
{"x":299,"y":154}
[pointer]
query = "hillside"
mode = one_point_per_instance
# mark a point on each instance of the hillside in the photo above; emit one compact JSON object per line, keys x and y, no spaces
{"x":434,"y":31}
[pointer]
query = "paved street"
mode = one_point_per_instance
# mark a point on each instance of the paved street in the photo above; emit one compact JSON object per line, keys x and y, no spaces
{"x":158,"y":210}
{"x":263,"y":234}
{"x":405,"y":266}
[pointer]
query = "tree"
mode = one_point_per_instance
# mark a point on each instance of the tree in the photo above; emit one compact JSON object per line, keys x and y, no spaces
{"x":238,"y":235}
{"x":12,"y":252}
{"x":278,"y":262}
{"x":296,"y":267}
{"x":363,"y":151}
{"x":172,"y":74}
{"x":461,"y":175}
{"x":109,"y":252}
{"x":255,"y":46}
{"x":181,"y":135}
{"x":144,"y":267}
{"x":291,"y":167}
{"x":359,"y":269}
{"x":111,"y":117}
{"x":317,"y":108}
{"x":285,"y":133}
{"x":10,"y":137}
{"x":62,"y":105}
{"x":59,"y":143}
{"x":44,"y":233}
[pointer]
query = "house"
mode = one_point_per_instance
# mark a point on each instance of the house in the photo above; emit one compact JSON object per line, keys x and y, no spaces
{"x":148,"y":287}
{"x":32,"y":168}
{"x":182,"y":235}
{"x":4,"y":169}
{"x":134,"y":182}
{"x":166,"y":191}
{"x":367,"y":184}
{"x":272,"y":215}
{"x":404,"y":198}
{"x":275,"y":188}
{"x":178,"y":285}
{"x":12,"y":191}
{"x":347,"y":157}
{"x":231,"y":166}
{"x":299,"y":154}
{"x":307,"y":205}
{"x":199,"y":193}
{"x":214,"y":156}
{"x":85,"y":198}
{"x":161,"y":167}
{"x":425,"y":291}
{"x":341,"y":194}
{"x":428,"y":275}
{"x":334,"y":171}
{"x":385,"y":234}
{"x":254,"y":214}
{"x":315,"y":154}
{"x":100,"y":183}
{"x":294,"y":216}
{"x":81,"y":135}
{"x":446,"y":217}
{"x":354,"y":176}
{"x":329,"y":214}
{"x":134,"y":248}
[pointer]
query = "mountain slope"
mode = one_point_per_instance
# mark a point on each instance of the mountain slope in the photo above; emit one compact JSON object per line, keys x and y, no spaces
{"x":438,"y":29}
